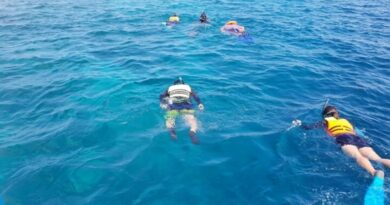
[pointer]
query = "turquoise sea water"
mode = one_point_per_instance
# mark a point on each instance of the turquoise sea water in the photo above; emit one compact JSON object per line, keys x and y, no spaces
{"x":80,"y":121}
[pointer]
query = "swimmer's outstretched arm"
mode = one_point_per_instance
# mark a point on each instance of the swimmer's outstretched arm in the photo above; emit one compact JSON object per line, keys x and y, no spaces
{"x":197,"y":99}
{"x":317,"y":125}
{"x":163,"y":96}
{"x":298,"y":123}
{"x":163,"y":100}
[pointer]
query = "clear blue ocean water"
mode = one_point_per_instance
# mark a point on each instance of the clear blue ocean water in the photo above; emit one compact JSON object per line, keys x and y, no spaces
{"x":80,"y":121}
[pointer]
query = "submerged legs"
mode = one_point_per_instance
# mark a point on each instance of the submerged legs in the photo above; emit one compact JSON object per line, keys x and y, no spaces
{"x":353,"y":152}
{"x":372,"y":155}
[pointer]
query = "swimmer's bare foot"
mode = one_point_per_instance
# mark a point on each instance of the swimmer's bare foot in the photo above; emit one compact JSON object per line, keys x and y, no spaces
{"x":193,"y":137}
{"x":380,"y":174}
{"x":173,"y":135}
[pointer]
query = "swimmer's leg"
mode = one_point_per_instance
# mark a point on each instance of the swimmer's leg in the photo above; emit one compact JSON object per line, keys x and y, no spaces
{"x":191,"y":121}
{"x":372,"y":155}
{"x":170,"y":117}
{"x":352,"y":151}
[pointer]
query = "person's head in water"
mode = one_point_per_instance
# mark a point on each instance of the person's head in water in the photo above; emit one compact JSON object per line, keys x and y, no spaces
{"x":174,"y":14}
{"x":330,"y":111}
{"x":178,"y":81}
{"x":203,"y":17}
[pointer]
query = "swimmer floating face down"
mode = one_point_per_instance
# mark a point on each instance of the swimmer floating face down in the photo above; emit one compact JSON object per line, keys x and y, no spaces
{"x":345,"y":135}
{"x":232,"y":27}
{"x":177,"y":101}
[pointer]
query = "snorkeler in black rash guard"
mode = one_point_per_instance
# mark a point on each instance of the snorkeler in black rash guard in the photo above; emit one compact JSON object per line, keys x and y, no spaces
{"x":344,"y":134}
{"x":176,"y":100}
{"x":203,"y":18}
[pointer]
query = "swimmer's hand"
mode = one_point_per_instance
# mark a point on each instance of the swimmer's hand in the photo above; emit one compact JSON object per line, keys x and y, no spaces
{"x":163,"y":106}
{"x":201,"y":107}
{"x":297,"y":123}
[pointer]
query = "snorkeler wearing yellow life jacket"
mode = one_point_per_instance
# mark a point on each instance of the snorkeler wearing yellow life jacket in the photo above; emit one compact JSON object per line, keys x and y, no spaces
{"x":232,"y":27}
{"x":174,"y":19}
{"x":344,"y":133}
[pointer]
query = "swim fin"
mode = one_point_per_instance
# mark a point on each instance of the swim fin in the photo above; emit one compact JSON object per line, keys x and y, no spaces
{"x":375,"y":193}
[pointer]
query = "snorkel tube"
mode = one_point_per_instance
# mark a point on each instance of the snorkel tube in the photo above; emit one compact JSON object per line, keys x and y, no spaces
{"x":179,"y":81}
{"x":324,"y":106}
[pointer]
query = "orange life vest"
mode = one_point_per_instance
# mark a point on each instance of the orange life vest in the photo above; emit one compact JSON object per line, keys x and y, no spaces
{"x":337,"y":127}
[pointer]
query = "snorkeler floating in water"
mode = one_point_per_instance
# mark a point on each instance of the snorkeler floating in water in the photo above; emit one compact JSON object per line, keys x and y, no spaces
{"x":176,"y":100}
{"x":203,"y":18}
{"x":173,"y":20}
{"x":344,"y":133}
{"x":232,"y":27}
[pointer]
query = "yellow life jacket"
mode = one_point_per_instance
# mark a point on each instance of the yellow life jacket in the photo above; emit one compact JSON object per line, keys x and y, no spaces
{"x":179,"y":93}
{"x":338,"y":126}
{"x":174,"y":19}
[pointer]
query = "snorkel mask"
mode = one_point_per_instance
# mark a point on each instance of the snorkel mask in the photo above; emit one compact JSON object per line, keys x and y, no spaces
{"x":329,"y":111}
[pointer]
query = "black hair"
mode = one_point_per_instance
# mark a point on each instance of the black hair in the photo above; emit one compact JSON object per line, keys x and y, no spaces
{"x":203,"y":17}
{"x":327,"y":109}
{"x":178,"y":81}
